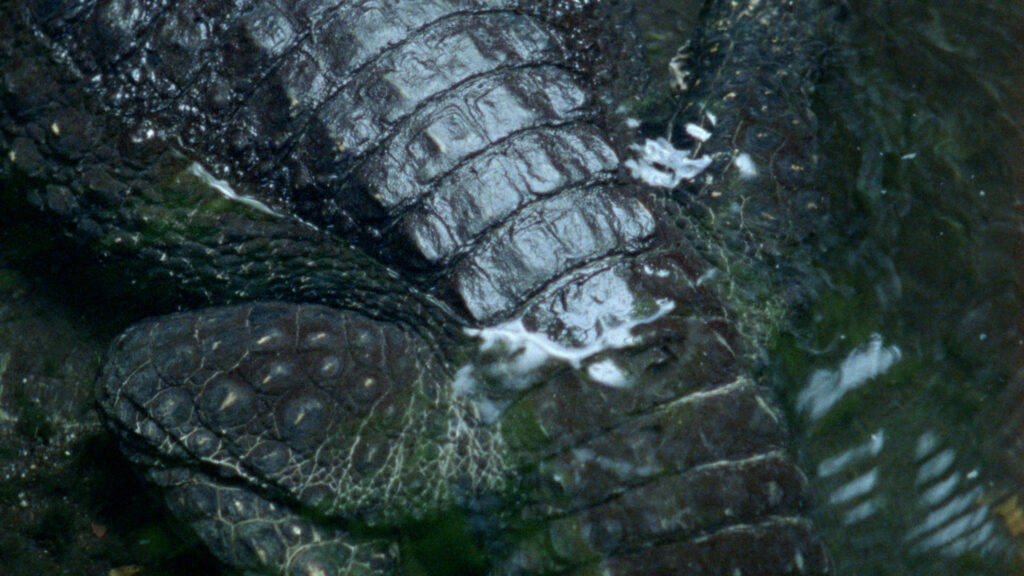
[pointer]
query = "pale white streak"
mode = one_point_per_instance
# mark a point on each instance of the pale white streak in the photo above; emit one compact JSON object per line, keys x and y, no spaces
{"x":956,"y":521}
{"x":5,"y":359}
{"x":735,"y":462}
{"x":827,"y":387}
{"x":228,"y":192}
{"x":940,"y":491}
{"x":948,"y":516}
{"x":728,"y":389}
{"x":601,"y":320}
{"x":871,"y":448}
{"x":661,"y":165}
{"x":620,"y":468}
{"x":855,"y":488}
{"x":935,"y":466}
{"x":926,"y":444}
{"x":709,"y":274}
{"x":862,"y":511}
{"x":951,"y":536}
{"x":982,"y":539}
{"x":953,"y":521}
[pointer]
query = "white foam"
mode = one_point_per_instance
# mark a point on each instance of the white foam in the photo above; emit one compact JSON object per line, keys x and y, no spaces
{"x":657,"y":272}
{"x":529,"y":350}
{"x":608,"y":373}
{"x":745,"y":164}
{"x":697,"y":133}
{"x":595,"y":317}
{"x":664,"y":166}
{"x":228,"y":192}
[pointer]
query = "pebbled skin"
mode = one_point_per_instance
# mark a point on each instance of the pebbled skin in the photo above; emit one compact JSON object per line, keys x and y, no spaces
{"x":749,"y":73}
{"x":304,"y":405}
{"x":303,"y":439}
{"x":760,"y":92}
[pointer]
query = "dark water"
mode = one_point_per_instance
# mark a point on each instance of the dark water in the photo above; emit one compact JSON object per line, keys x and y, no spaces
{"x":900,"y":375}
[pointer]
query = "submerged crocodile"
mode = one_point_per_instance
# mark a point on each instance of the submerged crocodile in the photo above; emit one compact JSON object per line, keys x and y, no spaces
{"x":438,"y":314}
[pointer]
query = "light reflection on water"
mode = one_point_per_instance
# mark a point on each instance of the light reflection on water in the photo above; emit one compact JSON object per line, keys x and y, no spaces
{"x":827,"y":387}
{"x":935,"y":506}
{"x":898,"y":376}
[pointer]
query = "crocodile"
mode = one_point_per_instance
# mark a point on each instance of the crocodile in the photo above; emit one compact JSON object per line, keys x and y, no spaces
{"x":431,"y":309}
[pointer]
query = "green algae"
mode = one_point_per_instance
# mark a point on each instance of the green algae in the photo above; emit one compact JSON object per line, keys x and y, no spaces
{"x":441,"y":546}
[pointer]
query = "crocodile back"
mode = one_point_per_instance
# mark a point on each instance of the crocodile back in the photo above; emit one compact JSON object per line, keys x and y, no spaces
{"x":445,"y":135}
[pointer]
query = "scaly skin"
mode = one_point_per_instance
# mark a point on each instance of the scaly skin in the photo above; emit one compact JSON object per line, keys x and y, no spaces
{"x":459,"y":168}
{"x":749,"y":77}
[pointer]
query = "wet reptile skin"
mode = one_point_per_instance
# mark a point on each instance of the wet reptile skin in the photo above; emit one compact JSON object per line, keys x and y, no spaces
{"x":452,"y":157}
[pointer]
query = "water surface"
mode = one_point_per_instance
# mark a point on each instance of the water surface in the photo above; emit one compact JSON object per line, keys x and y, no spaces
{"x":899,"y":376}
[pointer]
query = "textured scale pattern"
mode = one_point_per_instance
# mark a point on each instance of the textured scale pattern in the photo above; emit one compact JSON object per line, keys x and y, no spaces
{"x":453,"y":144}
{"x":299,"y":400}
{"x":287,"y":390}
{"x":349,"y":105}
